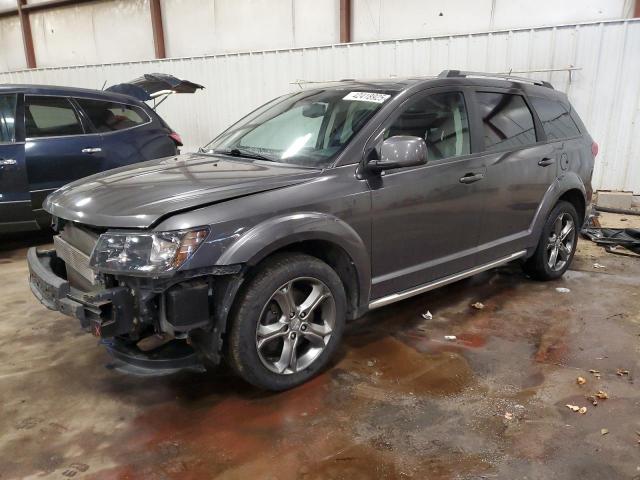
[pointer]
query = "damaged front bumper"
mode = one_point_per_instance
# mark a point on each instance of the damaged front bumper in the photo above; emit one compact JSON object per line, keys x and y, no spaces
{"x":145,"y":323}
{"x":106,"y":313}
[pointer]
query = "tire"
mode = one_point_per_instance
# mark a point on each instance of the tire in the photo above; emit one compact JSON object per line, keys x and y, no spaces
{"x":262,"y":336}
{"x":542,"y":265}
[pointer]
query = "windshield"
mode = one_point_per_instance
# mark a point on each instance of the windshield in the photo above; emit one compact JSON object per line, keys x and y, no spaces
{"x":305,"y":128}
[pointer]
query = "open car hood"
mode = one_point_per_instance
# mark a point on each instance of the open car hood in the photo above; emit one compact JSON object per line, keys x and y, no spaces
{"x":151,"y":85}
{"x":139,"y":195}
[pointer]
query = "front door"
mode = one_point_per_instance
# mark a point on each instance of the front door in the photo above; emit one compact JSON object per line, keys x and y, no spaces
{"x":59,"y":146}
{"x":426,"y":219}
{"x":15,"y":204}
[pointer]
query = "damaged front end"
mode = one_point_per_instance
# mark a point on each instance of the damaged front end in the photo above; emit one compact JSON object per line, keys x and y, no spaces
{"x":127,"y":288}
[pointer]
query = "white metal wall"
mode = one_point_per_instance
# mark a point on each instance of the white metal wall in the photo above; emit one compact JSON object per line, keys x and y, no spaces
{"x":605,"y":90}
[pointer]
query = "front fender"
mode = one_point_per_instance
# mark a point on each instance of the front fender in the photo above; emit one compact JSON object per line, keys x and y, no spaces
{"x":276,"y":233}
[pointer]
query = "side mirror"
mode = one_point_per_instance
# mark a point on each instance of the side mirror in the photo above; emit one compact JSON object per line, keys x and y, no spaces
{"x":399,"y":152}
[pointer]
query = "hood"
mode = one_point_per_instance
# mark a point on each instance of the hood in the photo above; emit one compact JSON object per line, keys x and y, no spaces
{"x":139,"y":195}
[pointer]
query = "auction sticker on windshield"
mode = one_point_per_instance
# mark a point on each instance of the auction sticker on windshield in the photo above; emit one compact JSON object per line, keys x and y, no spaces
{"x":367,"y":97}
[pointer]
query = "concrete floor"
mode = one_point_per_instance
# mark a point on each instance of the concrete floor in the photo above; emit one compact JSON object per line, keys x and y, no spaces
{"x":399,"y":402}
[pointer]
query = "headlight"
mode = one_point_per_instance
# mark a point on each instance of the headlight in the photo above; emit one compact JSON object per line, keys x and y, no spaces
{"x":157,"y":252}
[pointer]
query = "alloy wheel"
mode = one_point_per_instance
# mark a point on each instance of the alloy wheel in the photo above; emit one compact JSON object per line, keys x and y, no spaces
{"x":560,"y":243}
{"x":295,"y":325}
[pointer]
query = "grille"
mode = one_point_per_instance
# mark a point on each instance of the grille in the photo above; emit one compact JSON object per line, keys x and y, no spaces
{"x":74,"y":258}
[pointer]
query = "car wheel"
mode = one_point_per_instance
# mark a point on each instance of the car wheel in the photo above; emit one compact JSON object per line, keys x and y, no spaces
{"x":287,"y":322}
{"x":557,"y":244}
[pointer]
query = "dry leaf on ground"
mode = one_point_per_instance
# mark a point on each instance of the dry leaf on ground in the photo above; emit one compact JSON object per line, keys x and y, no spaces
{"x":602,"y":394}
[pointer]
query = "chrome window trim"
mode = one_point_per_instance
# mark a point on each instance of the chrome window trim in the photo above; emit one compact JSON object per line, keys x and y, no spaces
{"x":71,"y":97}
{"x":149,"y":119}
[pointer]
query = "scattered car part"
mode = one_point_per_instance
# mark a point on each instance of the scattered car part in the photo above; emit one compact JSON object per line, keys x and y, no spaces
{"x":628,"y":238}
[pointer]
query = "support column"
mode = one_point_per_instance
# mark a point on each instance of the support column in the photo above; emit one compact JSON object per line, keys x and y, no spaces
{"x":27,"y":38}
{"x":345,"y":21}
{"x":158,"y":30}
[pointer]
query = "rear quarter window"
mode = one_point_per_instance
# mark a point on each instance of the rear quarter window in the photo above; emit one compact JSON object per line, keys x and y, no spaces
{"x":112,"y":116}
{"x":555,"y":118}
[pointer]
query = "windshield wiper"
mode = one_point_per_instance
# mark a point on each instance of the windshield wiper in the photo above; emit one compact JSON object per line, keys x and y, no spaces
{"x":236,"y":152}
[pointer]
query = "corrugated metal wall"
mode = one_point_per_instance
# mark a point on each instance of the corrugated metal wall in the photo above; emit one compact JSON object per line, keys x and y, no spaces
{"x":605,"y":89}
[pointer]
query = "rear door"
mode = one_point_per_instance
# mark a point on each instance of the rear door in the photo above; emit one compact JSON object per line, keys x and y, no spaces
{"x":563,"y":134}
{"x":521,"y":167}
{"x":129,"y":132}
{"x":60,"y":148}
{"x":426,"y":219}
{"x":15,"y":204}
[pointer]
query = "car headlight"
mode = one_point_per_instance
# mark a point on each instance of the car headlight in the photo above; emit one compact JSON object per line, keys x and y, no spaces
{"x":157,"y":252}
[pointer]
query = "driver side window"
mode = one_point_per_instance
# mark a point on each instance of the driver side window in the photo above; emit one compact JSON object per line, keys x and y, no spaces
{"x":440,"y":119}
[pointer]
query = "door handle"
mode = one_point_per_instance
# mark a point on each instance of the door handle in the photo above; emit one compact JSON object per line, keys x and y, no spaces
{"x":7,"y":161}
{"x":471,"y":177}
{"x":92,"y":150}
{"x":545,"y":162}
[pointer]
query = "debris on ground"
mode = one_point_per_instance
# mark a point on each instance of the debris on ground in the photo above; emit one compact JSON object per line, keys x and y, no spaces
{"x":427,"y":315}
{"x":593,"y":400}
{"x":603,"y":431}
{"x":508,"y":416}
{"x":595,"y":373}
{"x":478,"y":305}
{"x":601,"y":394}
{"x":608,"y":237}
{"x":562,"y":290}
{"x":576,"y":408}
{"x":371,"y":363}
{"x":450,"y":337}
{"x":598,"y":265}
{"x":581,"y":380}
{"x":622,"y":372}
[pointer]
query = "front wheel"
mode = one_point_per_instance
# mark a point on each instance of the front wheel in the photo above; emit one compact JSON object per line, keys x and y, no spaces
{"x":287,"y":323}
{"x":557,"y":244}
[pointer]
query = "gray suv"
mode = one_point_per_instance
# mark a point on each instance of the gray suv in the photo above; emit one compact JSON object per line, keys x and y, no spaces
{"x":310,"y":211}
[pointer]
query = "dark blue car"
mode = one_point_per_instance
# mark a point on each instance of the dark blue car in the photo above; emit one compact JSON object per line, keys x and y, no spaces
{"x":50,"y":136}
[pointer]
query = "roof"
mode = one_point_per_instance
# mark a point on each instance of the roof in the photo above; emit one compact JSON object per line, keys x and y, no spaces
{"x":65,"y":91}
{"x":446,"y":78}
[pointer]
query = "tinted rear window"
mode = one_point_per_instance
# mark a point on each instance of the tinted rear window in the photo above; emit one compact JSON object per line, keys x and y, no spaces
{"x":50,"y":117}
{"x":556,"y":121}
{"x":507,"y":121}
{"x":111,"y":116}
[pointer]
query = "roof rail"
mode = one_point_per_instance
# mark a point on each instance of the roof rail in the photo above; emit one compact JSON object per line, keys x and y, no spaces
{"x":499,"y":76}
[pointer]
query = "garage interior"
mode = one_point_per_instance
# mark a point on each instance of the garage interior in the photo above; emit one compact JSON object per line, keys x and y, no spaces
{"x":477,"y":379}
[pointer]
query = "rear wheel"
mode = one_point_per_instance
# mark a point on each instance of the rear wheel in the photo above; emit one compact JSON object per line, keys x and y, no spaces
{"x":287,"y":323}
{"x":557,"y":244}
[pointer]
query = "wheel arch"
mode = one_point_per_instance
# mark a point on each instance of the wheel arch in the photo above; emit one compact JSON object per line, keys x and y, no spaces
{"x":569,"y":187}
{"x":317,"y":234}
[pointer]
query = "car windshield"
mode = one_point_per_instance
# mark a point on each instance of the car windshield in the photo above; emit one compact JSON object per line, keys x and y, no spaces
{"x":305,"y":128}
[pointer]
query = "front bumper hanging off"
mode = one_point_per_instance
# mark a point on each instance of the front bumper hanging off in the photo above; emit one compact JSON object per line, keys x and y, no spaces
{"x":106,"y":313}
